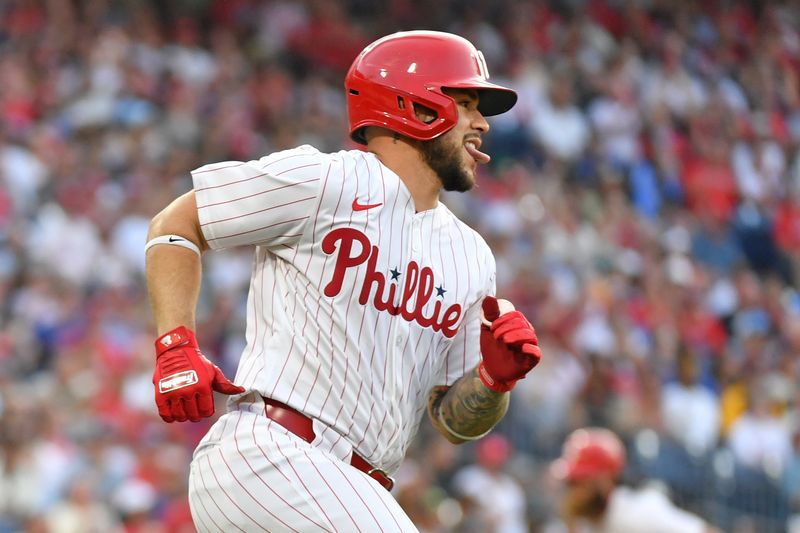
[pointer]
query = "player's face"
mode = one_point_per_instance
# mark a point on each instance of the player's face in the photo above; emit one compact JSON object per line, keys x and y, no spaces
{"x":455,"y":155}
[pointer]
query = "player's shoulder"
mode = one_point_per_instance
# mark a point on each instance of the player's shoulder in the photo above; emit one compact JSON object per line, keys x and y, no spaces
{"x":348,"y":168}
{"x":332,"y":166}
{"x":350,"y":159}
{"x":345,"y":156}
{"x":273,"y":163}
{"x":470,"y":233}
{"x":309,"y":153}
{"x":304,"y":154}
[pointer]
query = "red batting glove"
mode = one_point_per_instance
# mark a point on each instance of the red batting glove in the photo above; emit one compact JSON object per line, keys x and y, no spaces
{"x":509,"y":347}
{"x":184,"y":378}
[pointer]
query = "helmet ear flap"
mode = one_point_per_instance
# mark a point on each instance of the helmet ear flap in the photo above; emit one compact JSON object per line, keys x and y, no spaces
{"x":421,"y":117}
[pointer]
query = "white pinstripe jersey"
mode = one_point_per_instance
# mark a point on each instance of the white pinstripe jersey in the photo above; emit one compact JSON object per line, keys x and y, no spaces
{"x":358,"y":305}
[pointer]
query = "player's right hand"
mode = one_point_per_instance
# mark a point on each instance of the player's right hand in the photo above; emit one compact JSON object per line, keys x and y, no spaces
{"x":185,"y":380}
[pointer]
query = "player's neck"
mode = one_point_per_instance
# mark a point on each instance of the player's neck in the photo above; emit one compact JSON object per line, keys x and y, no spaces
{"x":404,"y":159}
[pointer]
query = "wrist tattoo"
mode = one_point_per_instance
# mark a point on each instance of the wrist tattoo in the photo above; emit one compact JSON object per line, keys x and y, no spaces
{"x":467,"y":410}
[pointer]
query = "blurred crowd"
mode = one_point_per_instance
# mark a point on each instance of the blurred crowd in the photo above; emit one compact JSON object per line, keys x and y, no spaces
{"x":643,"y":204}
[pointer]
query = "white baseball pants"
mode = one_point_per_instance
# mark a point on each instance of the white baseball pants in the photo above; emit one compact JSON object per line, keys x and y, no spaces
{"x":250,"y":474}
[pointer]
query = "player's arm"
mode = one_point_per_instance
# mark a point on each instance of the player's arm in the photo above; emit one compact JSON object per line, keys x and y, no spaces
{"x":183,"y":378}
{"x":467,"y":410}
{"x":476,"y":402}
{"x":173,"y":272}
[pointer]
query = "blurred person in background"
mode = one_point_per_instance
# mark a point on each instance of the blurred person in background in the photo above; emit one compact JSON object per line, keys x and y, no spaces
{"x":760,"y":438}
{"x":690,"y":410}
{"x":590,"y":467}
{"x":81,"y":512}
{"x":504,"y":510}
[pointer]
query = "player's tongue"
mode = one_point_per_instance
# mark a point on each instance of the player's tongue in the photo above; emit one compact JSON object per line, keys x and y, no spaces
{"x":476,"y":154}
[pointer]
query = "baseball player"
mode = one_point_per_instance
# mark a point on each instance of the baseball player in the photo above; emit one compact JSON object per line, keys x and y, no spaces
{"x":370,"y":303}
{"x":590,"y":465}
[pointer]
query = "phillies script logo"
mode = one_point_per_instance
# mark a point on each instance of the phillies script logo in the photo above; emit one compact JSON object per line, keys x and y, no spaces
{"x":418,"y":283}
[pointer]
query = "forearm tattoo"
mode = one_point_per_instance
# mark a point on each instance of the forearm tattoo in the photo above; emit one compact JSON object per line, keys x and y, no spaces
{"x":467,"y":410}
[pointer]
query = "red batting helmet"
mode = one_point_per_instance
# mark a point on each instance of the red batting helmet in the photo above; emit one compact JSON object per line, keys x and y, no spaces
{"x":589,"y":452}
{"x":395,"y":73}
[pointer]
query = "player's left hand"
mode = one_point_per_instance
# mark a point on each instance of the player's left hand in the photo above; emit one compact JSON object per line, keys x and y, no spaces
{"x":185,"y":380}
{"x":509,"y":345}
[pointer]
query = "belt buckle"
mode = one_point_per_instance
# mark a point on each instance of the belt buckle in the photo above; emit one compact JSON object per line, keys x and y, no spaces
{"x":383,"y":473}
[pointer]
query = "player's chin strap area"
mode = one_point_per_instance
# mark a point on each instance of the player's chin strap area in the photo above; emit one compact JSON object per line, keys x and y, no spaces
{"x":303,"y":427}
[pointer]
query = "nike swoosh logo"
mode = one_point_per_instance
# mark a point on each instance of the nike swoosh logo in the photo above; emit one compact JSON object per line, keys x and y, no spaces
{"x":173,"y":239}
{"x":363,"y":207}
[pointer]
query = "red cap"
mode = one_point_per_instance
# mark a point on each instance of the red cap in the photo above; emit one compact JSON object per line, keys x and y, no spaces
{"x":589,"y":452}
{"x":493,"y":451}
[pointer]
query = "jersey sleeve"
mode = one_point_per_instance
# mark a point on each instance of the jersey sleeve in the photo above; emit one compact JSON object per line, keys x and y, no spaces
{"x":263,"y":202}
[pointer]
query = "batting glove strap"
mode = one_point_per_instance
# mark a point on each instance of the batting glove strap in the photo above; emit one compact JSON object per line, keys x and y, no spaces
{"x":493,"y":384}
{"x":180,"y":336}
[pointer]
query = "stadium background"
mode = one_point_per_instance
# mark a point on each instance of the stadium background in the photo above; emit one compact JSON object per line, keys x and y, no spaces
{"x":643,"y":203}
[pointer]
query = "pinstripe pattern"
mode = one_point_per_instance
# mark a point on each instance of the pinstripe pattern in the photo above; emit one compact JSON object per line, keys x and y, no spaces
{"x":249,"y":474}
{"x":353,"y":315}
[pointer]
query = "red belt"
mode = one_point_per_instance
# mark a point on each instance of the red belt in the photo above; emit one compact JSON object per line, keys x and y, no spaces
{"x":303,"y":427}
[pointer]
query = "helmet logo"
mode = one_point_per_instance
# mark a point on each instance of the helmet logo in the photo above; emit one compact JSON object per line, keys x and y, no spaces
{"x":483,"y":70}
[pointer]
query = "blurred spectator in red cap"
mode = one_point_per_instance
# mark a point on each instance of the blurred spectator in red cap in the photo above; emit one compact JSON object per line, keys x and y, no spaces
{"x":591,"y":464}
